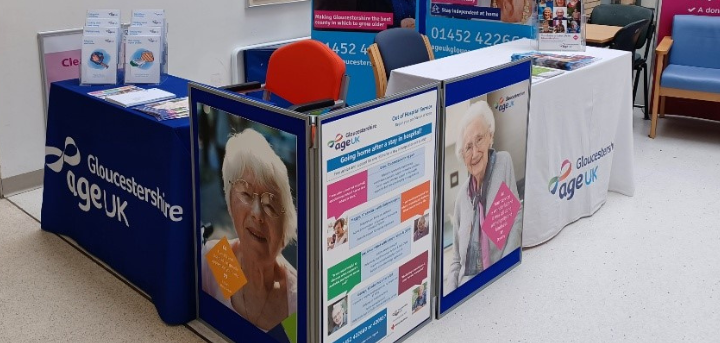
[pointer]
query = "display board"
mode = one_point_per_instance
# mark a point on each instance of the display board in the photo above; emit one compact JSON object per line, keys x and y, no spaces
{"x":378,"y":181}
{"x":59,"y":58}
{"x":668,"y":9}
{"x":349,"y":28}
{"x":264,"y":175}
{"x":456,"y":26}
{"x":561,"y":25}
{"x":252,"y":215}
{"x":480,"y":215}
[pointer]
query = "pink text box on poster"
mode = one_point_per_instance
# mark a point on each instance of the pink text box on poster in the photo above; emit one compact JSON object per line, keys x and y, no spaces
{"x":413,"y":272}
{"x":501,"y":216}
{"x":346,"y":194}
{"x":351,"y":20}
{"x":60,"y":66}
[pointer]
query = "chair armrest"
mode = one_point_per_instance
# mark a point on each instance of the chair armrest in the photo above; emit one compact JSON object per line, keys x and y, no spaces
{"x":664,"y":46}
{"x":313,"y":105}
{"x":243,"y":87}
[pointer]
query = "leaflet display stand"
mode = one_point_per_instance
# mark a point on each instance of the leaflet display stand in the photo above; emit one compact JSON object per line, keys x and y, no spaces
{"x":300,"y":217}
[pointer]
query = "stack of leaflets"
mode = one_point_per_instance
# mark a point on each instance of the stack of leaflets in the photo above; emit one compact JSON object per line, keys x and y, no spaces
{"x":540,"y":74}
{"x":115,"y":91}
{"x":557,"y":61}
{"x":145,"y":47}
{"x":169,"y":109}
{"x":142,"y":97}
{"x":100,"y":47}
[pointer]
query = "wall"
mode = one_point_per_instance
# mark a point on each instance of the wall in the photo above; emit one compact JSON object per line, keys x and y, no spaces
{"x":201,"y":38}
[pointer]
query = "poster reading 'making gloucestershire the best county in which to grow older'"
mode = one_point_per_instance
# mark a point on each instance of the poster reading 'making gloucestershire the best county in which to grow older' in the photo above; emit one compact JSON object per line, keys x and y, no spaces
{"x":378,"y":176}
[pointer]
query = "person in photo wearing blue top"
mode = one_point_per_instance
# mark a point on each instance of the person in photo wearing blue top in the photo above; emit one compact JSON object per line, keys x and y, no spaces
{"x":488,"y":169}
{"x":421,"y":299}
{"x":260,"y":204}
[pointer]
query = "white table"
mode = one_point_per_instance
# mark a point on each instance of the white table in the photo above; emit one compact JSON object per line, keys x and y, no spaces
{"x":572,"y":115}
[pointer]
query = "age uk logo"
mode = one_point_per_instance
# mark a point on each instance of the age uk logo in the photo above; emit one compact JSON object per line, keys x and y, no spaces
{"x":567,"y":189}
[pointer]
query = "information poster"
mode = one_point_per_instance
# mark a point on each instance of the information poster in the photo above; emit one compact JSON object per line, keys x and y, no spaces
{"x":485,"y":144}
{"x":349,"y":28}
{"x":251,"y":230}
{"x":59,"y":57}
{"x":560,"y":25}
{"x":378,"y":177}
{"x":456,"y":26}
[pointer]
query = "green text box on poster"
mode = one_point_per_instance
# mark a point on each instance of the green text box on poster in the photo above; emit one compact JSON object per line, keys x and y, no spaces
{"x":343,"y":276}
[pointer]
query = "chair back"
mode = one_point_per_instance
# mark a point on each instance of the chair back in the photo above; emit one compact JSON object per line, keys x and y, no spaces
{"x":628,"y":37}
{"x":306,"y":71}
{"x":400,"y":47}
{"x":622,"y":15}
{"x":696,"y":41}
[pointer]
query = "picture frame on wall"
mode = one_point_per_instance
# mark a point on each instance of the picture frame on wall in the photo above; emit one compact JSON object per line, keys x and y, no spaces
{"x":256,"y":3}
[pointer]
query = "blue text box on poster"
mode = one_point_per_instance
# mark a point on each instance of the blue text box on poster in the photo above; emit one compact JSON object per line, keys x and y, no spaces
{"x":370,"y":331}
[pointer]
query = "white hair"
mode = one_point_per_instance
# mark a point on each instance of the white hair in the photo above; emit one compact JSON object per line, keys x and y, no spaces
{"x":481,"y":110}
{"x":250,"y":151}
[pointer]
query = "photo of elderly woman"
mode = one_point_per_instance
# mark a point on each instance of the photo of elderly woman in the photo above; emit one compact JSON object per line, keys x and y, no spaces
{"x":338,"y":315}
{"x":255,"y":211}
{"x":486,"y":162}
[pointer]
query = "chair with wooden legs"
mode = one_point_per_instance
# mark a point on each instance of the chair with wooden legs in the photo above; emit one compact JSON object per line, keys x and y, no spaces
{"x":396,"y":48}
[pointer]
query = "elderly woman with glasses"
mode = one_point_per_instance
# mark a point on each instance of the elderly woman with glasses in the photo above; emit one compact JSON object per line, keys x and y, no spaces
{"x":488,"y":169}
{"x":260,"y":204}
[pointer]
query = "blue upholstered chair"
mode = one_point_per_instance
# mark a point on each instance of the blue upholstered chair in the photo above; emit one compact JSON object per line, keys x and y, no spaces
{"x":692,"y":70}
{"x":396,"y":48}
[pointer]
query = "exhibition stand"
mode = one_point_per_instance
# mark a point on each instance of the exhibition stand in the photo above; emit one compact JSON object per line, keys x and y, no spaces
{"x":580,"y":143}
{"x":117,"y":182}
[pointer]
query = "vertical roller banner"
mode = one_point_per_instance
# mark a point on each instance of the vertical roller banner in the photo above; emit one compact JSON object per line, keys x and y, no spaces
{"x":251,"y":217}
{"x":480,"y":211}
{"x":377,"y":231}
{"x":456,"y":26}
{"x":349,"y":27}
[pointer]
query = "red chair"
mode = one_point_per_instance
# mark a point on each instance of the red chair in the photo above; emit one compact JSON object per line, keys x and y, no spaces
{"x":307,"y":73}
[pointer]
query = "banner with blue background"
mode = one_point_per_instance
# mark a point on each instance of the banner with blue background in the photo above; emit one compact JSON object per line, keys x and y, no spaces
{"x":456,"y":26}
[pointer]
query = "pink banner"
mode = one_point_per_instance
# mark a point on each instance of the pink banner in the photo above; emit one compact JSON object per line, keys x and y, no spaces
{"x":668,"y":10}
{"x":456,"y":2}
{"x":413,"y":272}
{"x":350,"y":20}
{"x":60,"y":66}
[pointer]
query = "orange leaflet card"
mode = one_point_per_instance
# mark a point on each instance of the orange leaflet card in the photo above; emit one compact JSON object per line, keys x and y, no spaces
{"x":225,"y":268}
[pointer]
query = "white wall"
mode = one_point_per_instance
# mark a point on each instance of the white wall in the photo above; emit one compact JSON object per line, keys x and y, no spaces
{"x":201,"y":38}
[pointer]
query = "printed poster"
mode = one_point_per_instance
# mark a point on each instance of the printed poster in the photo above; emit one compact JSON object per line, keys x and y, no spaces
{"x":483,"y":180}
{"x":249,"y":251}
{"x":378,"y":177}
{"x":457,"y":26}
{"x":349,"y":28}
{"x":560,"y":25}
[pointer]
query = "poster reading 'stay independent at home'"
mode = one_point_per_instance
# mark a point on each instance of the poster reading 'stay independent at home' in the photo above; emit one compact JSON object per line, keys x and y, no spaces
{"x":485,"y":143}
{"x":561,"y":25}
{"x":378,"y":176}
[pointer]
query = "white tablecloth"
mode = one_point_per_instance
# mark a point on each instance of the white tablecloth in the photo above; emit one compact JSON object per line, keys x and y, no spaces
{"x":581,"y":114}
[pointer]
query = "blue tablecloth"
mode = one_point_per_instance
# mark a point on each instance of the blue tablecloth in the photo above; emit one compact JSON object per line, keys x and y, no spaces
{"x":123,"y":191}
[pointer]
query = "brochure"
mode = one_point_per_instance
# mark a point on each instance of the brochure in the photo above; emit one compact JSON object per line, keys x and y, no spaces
{"x":140,"y":98}
{"x":142,"y":59}
{"x":99,"y":59}
{"x":546,"y":72}
{"x":153,"y":18}
{"x":558,"y":61}
{"x":115,"y":91}
{"x":102,"y":22}
{"x":561,"y":25}
{"x":169,"y":109}
{"x":114,"y":13}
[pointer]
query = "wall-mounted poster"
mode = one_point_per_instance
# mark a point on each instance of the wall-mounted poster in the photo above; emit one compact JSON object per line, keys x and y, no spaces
{"x":561,"y":25}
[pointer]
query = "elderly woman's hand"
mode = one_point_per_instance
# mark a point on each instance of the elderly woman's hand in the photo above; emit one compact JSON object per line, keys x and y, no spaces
{"x":511,"y":11}
{"x":408,"y":23}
